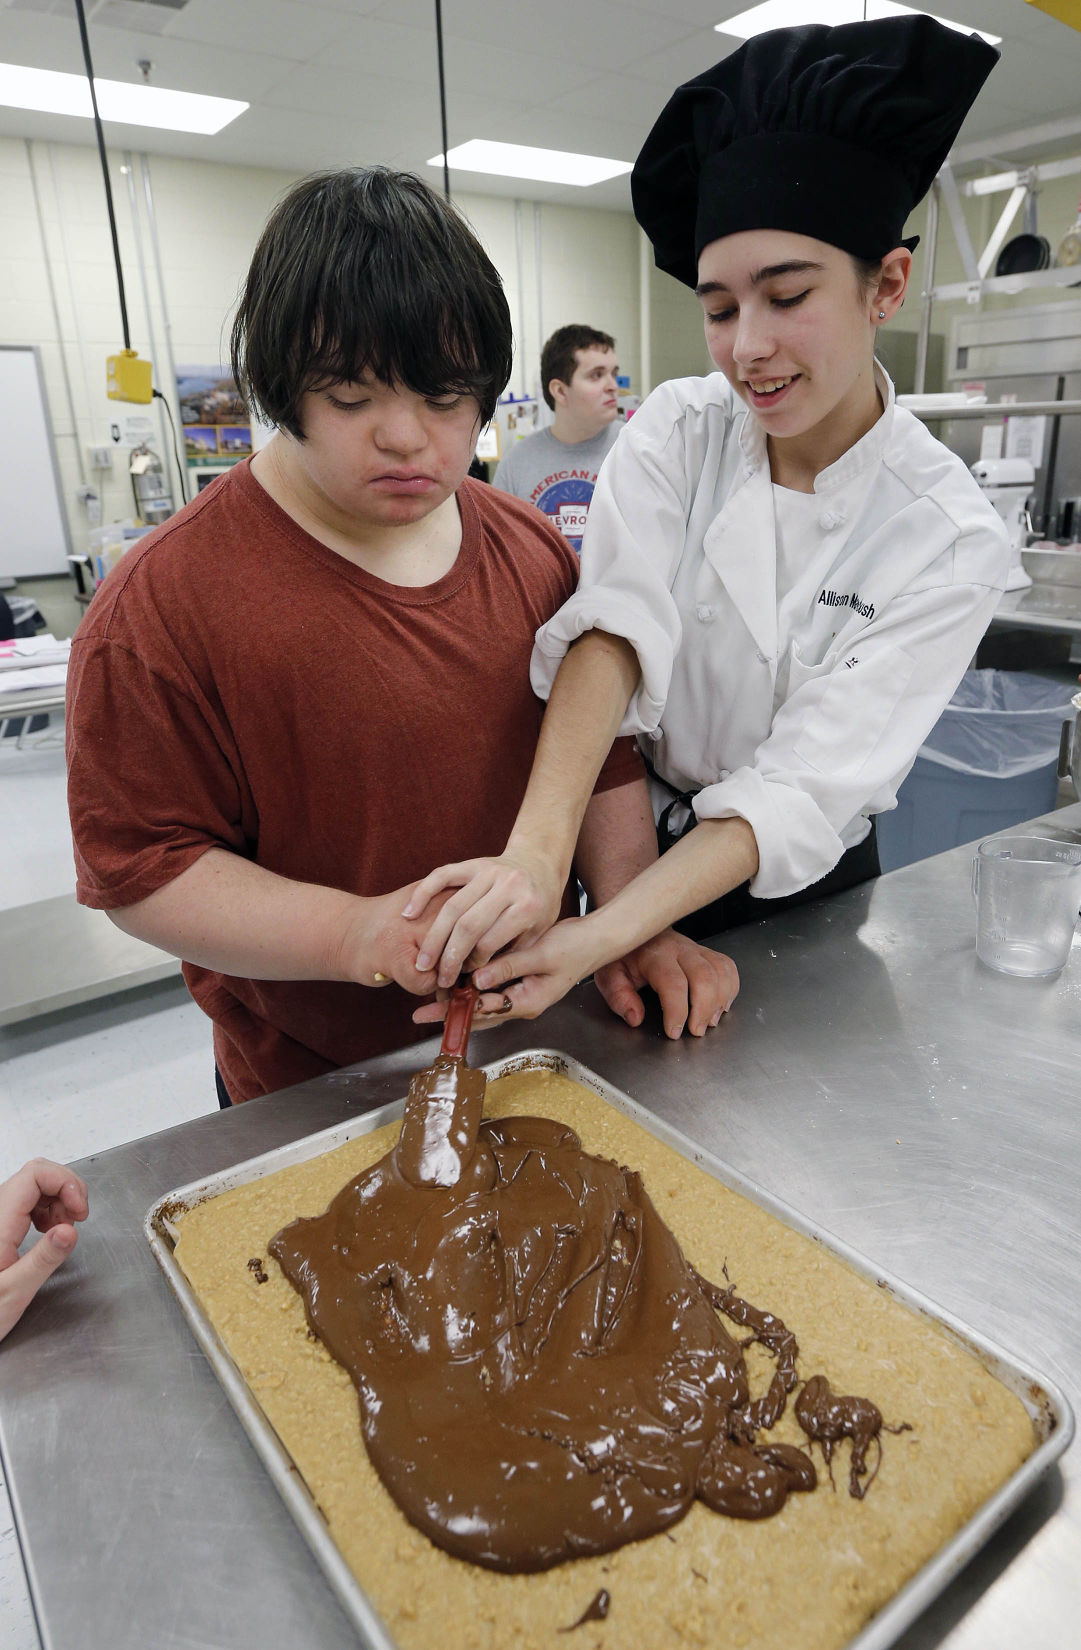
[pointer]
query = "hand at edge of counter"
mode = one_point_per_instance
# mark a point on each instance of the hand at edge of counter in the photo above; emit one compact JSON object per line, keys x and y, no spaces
{"x":51,"y":1198}
{"x":694,"y":984}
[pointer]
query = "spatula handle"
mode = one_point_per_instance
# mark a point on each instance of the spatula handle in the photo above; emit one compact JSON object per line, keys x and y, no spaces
{"x":456,"y":1027}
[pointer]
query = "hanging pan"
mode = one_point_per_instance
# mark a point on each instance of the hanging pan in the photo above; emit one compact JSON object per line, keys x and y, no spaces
{"x":1023,"y":254}
{"x":1028,"y":251}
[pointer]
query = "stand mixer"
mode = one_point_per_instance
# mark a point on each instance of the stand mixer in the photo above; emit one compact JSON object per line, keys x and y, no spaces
{"x":1008,"y":483}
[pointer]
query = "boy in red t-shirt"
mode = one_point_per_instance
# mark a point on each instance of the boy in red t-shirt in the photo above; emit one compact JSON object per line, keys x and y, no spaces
{"x":312,"y":684}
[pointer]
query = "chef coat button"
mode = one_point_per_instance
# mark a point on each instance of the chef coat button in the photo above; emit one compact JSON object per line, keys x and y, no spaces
{"x":704,"y":612}
{"x":655,"y":734}
{"x":831,"y":518}
{"x":762,"y":657}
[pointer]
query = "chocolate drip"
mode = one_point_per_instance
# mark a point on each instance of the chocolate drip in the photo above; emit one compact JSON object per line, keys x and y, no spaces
{"x":769,"y":1332}
{"x":826,"y":1417}
{"x":541,"y":1374}
{"x":596,"y":1610}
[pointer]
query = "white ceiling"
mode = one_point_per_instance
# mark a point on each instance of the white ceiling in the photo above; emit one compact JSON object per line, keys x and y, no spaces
{"x":334,"y":82}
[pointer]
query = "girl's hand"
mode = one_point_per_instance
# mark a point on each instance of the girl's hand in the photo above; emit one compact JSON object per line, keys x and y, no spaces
{"x":522,"y":984}
{"x":50,"y":1197}
{"x":694,"y":984}
{"x":492,"y":1006}
{"x":536,"y":976}
{"x":500,"y":902}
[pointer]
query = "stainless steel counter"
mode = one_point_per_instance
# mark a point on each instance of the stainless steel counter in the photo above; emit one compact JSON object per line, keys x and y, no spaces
{"x":55,"y":953}
{"x":872,"y":1073}
{"x":1055,"y":607}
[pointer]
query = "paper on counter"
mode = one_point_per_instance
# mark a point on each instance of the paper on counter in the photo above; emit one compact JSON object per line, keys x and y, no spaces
{"x":37,"y":680}
{"x":26,"y":651}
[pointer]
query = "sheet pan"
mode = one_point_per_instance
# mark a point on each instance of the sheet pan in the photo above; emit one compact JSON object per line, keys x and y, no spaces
{"x":1052,"y":1418}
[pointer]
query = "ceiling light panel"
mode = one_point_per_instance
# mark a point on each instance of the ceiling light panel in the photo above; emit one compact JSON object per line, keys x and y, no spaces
{"x":789,"y":14}
{"x":516,"y":160}
{"x":129,"y":105}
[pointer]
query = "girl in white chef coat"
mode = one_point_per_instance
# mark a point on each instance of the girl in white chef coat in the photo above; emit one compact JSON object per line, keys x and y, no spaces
{"x":784,"y":575}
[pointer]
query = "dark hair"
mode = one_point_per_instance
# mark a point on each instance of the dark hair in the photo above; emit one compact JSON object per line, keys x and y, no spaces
{"x":369,"y":270}
{"x":558,"y":355}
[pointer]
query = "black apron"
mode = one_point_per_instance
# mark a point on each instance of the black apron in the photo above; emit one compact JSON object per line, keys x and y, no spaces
{"x":857,"y":864}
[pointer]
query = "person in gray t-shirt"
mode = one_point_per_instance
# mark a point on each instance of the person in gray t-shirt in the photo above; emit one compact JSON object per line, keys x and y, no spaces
{"x":557,"y":468}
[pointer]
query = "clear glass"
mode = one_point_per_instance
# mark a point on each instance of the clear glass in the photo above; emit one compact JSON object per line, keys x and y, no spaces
{"x":1028,"y":889}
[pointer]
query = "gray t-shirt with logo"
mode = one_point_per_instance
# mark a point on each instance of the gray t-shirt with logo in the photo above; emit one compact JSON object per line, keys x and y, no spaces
{"x":557,"y":476}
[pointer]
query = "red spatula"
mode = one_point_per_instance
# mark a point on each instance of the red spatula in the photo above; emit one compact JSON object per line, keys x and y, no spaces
{"x":459,"y":1021}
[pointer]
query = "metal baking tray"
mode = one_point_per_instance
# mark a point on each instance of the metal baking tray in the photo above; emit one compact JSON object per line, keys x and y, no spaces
{"x":1048,"y":1408}
{"x":1047,"y":564}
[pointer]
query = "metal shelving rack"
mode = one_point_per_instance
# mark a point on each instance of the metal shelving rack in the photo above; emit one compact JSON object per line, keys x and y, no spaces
{"x":1021,"y":182}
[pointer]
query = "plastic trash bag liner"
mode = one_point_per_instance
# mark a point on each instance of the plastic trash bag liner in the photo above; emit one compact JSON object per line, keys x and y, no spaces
{"x":1000,"y":724}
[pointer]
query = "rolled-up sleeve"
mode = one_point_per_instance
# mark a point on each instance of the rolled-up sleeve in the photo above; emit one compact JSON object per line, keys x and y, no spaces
{"x":850,"y":728}
{"x":634,"y":536}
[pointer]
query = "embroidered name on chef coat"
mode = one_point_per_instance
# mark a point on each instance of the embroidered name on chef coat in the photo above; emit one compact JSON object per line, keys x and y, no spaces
{"x":847,"y":598}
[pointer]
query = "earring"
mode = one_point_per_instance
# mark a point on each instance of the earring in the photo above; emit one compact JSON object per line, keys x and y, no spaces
{"x":882,"y":314}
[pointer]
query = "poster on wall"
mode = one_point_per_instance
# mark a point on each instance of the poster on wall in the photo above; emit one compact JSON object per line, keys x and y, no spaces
{"x":217,"y":428}
{"x":200,"y":442}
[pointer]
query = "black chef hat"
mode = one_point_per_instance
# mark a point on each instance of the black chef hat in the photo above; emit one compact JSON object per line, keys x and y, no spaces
{"x":835,"y":133}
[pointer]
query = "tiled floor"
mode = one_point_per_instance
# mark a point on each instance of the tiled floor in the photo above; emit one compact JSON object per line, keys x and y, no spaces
{"x":83,"y":1079}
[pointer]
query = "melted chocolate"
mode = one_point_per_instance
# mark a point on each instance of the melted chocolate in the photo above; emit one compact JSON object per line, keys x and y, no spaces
{"x":541,"y":1374}
{"x":826,"y":1418}
{"x":442,"y":1115}
{"x":596,"y":1610}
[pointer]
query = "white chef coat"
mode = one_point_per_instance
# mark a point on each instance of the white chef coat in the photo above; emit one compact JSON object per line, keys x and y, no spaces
{"x":803,"y":722}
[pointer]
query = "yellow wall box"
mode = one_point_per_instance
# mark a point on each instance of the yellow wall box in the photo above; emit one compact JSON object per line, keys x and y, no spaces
{"x":128,"y":378}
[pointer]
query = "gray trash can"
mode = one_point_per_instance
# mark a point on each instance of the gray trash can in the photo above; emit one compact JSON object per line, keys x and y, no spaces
{"x":989,"y":763}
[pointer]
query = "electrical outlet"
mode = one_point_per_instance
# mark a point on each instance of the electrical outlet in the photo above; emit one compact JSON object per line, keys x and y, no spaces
{"x":91,"y":502}
{"x":101,"y":458}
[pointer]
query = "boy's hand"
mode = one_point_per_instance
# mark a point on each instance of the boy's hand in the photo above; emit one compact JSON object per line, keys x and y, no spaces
{"x":694,"y":984}
{"x":380,"y":946}
{"x":511,"y":900}
{"x":50,"y":1197}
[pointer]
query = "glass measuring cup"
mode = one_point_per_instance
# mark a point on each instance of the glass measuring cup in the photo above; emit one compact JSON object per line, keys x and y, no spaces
{"x":1027,"y":890}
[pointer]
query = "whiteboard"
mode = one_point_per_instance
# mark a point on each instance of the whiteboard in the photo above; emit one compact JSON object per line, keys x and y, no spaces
{"x":34,"y":536}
